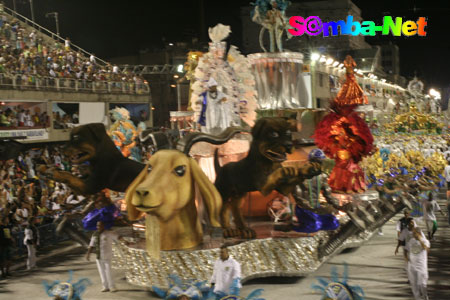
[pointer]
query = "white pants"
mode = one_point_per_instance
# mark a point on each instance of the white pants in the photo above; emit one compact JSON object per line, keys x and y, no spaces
{"x":418,"y":281}
{"x":104,"y":268}
{"x":31,"y":260}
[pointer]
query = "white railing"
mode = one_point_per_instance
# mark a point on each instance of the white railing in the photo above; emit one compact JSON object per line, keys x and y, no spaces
{"x":33,"y":82}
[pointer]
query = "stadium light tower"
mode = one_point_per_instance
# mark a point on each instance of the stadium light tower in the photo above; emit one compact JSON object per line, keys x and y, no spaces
{"x":32,"y":10}
{"x":14,"y":7}
{"x":55,"y":15}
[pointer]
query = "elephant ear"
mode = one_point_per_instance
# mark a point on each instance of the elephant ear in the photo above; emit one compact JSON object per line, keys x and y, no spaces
{"x":133,"y":213}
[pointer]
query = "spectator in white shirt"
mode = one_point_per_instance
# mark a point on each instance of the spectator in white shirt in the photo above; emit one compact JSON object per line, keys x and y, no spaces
{"x":226,"y":272}
{"x":54,"y":205}
{"x":30,"y":165}
{"x":446,"y":154}
{"x":27,"y":119}
{"x":33,"y":37}
{"x":58,"y":161}
{"x":67,"y":44}
{"x":31,"y":240}
{"x":21,"y":117}
{"x":52,"y":73}
{"x":74,"y":199}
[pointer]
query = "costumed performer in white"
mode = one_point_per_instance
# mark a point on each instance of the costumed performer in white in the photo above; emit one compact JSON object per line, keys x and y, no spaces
{"x":403,"y":231}
{"x":417,"y":256}
{"x":217,"y":113}
{"x":227,"y":272}
{"x":101,"y":241}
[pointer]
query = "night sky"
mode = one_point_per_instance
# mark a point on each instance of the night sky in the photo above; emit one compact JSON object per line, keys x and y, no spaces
{"x":112,"y":28}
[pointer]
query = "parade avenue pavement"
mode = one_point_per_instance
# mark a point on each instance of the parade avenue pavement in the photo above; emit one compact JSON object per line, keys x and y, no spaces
{"x":372,"y":266}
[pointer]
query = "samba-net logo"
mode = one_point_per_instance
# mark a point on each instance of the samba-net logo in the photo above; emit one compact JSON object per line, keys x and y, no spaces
{"x":313,"y":25}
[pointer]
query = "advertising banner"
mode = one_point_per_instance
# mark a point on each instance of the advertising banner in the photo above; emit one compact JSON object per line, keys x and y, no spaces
{"x":30,"y":134}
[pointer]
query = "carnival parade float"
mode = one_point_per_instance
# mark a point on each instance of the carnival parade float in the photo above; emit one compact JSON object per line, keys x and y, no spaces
{"x":252,"y":160}
{"x":187,"y":202}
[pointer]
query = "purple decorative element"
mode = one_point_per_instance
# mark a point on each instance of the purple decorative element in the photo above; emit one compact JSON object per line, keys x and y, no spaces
{"x":106,"y":215}
{"x":202,"y":119}
{"x":316,"y":154}
{"x":310,"y":222}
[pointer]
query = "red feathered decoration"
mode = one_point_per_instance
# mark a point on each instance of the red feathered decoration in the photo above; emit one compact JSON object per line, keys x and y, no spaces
{"x":344,"y":136}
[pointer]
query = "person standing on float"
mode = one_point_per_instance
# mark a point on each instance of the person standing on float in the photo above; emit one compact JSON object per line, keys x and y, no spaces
{"x":216,"y":115}
{"x":350,"y":93}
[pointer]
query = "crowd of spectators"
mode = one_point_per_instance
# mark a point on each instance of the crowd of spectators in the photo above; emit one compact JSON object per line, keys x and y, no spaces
{"x":25,"y":195}
{"x":27,"y":58}
{"x":17,"y":117}
{"x":64,"y":121}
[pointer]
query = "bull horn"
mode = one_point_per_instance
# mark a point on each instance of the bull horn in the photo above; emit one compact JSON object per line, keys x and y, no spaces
{"x":185,"y":144}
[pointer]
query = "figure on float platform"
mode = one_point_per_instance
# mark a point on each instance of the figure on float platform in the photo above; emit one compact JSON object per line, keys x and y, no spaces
{"x":217,"y":114}
{"x":307,"y":197}
{"x":350,"y":93}
{"x":270,"y":14}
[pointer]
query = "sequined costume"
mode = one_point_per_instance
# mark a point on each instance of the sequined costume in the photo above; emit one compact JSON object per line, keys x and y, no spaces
{"x":310,"y":222}
{"x":350,"y":93}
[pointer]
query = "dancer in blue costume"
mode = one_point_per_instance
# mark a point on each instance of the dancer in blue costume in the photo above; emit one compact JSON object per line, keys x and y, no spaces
{"x":66,"y":290}
{"x":338,"y":287}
